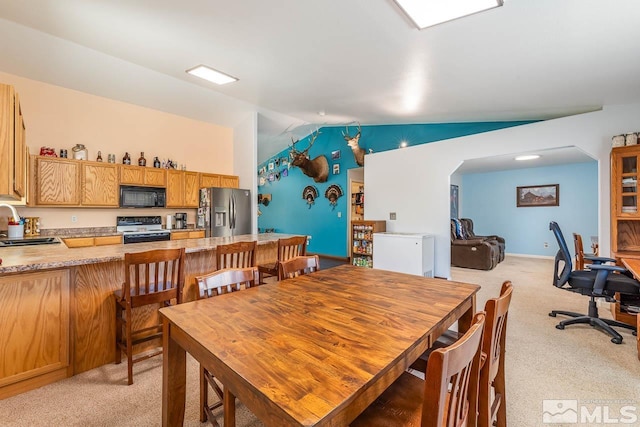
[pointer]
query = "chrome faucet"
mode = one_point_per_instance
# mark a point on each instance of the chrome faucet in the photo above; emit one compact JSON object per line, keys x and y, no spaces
{"x":14,"y":212}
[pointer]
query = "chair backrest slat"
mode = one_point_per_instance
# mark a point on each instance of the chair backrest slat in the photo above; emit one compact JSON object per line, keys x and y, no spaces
{"x":292,"y":247}
{"x":226,"y":280}
{"x":142,"y":272}
{"x":298,"y":266}
{"x":236,"y":255}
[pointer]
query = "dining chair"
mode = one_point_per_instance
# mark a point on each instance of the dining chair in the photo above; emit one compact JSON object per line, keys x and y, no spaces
{"x":236,"y":255}
{"x":492,"y":395}
{"x":151,"y":277}
{"x":447,"y":395}
{"x":220,"y":282}
{"x":580,"y":255}
{"x":287,"y":249}
{"x":298,"y":266}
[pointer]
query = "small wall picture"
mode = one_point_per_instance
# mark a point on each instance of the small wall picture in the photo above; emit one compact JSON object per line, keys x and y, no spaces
{"x":454,"y":201}
{"x":272,"y":166}
{"x":285,"y":172}
{"x":538,"y":195}
{"x":335,"y":155}
{"x":336,"y":169}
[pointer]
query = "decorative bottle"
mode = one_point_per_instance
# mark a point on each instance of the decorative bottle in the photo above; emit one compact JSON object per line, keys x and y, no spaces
{"x":126,"y":160}
{"x":141,"y":160}
{"x":99,"y":158}
{"x":156,"y":162}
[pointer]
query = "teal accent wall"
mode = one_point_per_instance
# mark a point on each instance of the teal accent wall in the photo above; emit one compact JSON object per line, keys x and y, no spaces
{"x":288,"y":212}
{"x":490,"y":200}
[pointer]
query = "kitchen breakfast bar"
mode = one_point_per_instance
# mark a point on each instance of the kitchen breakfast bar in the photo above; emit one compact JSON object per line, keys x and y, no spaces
{"x":58,"y":315}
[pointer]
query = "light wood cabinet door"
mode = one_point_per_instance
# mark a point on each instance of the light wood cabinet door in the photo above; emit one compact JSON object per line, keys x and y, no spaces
{"x":179,"y":235}
{"x":108,"y":240}
{"x":229,"y":181}
{"x":155,"y":177}
{"x":79,"y":242}
{"x":100,"y":184}
{"x":34,"y":330}
{"x":57,"y":181}
{"x":209,"y":180}
{"x":191,"y":189}
{"x":19,"y":153}
{"x":131,"y":175}
{"x":197,"y":234}
{"x":175,"y":189}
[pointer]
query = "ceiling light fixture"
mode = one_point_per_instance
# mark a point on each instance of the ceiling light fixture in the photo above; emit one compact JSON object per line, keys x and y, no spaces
{"x":528,"y":157}
{"x":403,"y":144}
{"x":426,"y":13}
{"x":211,"y":75}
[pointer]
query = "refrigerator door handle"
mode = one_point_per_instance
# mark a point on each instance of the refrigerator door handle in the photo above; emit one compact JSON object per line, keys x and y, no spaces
{"x":233,"y":211}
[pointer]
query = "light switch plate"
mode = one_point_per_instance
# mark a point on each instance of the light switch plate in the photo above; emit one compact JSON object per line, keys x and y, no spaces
{"x":392,"y":215}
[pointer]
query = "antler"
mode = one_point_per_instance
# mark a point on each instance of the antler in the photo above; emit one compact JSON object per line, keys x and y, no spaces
{"x":348,"y":137}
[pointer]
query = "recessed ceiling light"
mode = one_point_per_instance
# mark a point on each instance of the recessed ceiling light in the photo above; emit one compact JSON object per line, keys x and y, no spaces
{"x":426,"y":13}
{"x":528,"y":157}
{"x":321,"y":113}
{"x":211,"y":75}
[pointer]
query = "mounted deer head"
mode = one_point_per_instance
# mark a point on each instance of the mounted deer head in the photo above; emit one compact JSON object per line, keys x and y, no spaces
{"x":353,"y":142}
{"x":318,"y":168}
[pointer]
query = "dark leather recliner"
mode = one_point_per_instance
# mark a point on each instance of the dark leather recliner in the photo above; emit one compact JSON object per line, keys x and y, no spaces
{"x":479,"y":254}
{"x":467,"y":223}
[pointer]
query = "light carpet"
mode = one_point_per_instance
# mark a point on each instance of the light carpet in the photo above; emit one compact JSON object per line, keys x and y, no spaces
{"x":542,"y":362}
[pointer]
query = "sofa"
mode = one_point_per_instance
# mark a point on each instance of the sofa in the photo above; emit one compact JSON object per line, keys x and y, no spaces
{"x":476,"y":253}
{"x":467,"y":224}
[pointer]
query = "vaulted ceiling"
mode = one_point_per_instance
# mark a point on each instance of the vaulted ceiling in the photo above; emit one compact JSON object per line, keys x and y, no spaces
{"x":357,"y":60}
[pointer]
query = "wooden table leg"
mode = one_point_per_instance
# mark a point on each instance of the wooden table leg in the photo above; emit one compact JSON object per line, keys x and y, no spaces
{"x":229,"y":408}
{"x":174,"y":378}
{"x":465,"y":321}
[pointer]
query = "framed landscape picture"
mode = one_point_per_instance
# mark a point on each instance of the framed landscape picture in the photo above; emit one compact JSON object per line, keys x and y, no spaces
{"x":538,"y":195}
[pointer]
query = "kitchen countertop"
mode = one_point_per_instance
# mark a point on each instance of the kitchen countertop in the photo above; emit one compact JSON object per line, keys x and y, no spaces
{"x":32,"y":258}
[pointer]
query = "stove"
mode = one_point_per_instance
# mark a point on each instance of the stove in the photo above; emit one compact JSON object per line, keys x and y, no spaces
{"x":138,"y":229}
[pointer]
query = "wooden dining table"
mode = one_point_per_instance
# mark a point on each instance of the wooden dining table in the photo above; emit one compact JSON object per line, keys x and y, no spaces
{"x":314,"y":350}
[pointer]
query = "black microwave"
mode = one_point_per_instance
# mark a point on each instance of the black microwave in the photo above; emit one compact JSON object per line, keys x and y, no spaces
{"x":142,"y":197}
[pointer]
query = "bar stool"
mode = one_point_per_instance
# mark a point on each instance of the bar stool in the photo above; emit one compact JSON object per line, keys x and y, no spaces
{"x":298,"y":266}
{"x":152,"y":277}
{"x":287,"y":249}
{"x":236,"y":255}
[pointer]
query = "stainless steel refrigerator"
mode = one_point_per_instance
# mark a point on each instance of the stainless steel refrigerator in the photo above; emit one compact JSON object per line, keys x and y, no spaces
{"x":224,"y":211}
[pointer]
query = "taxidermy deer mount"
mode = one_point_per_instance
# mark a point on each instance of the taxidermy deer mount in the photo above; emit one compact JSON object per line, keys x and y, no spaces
{"x":318,"y":168}
{"x":353,"y":142}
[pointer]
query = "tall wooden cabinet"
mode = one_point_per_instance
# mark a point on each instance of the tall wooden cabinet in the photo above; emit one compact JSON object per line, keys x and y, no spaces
{"x":362,"y":238}
{"x":625,"y":217}
{"x":13,"y":148}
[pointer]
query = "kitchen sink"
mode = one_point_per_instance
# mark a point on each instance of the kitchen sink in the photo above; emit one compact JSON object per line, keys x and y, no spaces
{"x":29,"y":242}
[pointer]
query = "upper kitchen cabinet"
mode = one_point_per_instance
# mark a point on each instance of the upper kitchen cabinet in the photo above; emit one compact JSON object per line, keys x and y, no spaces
{"x":140,"y":175}
{"x":99,"y":184}
{"x":229,"y":181}
{"x":13,"y":151}
{"x":182,"y":189}
{"x":209,"y":180}
{"x":57,"y":181}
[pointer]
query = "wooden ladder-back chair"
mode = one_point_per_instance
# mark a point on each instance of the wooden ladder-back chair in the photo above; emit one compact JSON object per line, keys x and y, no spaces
{"x":152,"y":277}
{"x":298,"y":266}
{"x":492,"y":406}
{"x":236,"y":255}
{"x":287,"y":249}
{"x":447,"y":395}
{"x":580,"y":255}
{"x":218,"y":283}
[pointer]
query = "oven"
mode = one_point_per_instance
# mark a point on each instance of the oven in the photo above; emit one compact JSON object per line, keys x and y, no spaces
{"x":133,"y":237}
{"x":139,"y":229}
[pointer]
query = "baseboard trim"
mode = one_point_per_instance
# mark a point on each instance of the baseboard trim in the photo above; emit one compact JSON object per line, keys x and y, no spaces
{"x":530,"y":256}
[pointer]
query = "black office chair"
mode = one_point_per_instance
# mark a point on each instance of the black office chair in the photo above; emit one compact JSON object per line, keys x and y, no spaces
{"x":600,"y":281}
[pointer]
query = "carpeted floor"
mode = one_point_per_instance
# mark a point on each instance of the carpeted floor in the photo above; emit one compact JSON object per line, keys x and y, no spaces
{"x":579,"y":363}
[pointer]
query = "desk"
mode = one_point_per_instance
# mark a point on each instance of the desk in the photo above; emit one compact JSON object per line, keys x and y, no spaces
{"x":633,"y":265}
{"x":313,"y":350}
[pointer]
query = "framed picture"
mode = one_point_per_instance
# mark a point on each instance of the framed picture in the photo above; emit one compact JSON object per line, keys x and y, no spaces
{"x":271,"y":166}
{"x":538,"y":195}
{"x":335,"y":155}
{"x":454,"y":201}
{"x":336,"y":169}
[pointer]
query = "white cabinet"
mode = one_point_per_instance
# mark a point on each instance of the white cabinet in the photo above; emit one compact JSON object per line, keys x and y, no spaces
{"x":409,"y":253}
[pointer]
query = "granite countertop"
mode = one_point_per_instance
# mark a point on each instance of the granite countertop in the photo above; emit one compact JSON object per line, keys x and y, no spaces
{"x":32,"y":258}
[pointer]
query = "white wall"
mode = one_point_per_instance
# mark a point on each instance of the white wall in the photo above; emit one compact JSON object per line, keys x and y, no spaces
{"x":245,"y":155}
{"x":423,"y":171}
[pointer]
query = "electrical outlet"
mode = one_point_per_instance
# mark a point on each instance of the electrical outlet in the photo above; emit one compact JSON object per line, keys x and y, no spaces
{"x":308,"y":240}
{"x":545,"y":244}
{"x":74,"y":218}
{"x":392,"y":216}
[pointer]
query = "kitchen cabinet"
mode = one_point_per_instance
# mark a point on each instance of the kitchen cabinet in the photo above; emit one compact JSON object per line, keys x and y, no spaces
{"x":229,"y":181}
{"x":57,"y":181}
{"x":34,"y":330}
{"x":141,"y":175}
{"x":209,"y":180}
{"x":84,"y":242}
{"x":100,"y":184}
{"x":362,"y":238}
{"x":13,"y":160}
{"x":181,"y":235}
{"x":182,"y":189}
